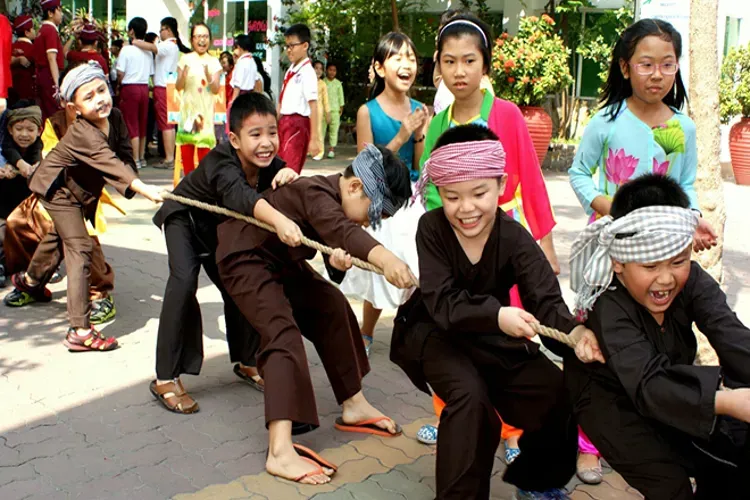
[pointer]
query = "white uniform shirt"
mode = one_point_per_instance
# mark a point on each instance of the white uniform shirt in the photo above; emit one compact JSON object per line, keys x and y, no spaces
{"x":166,"y":61}
{"x":245,"y":73}
{"x":301,"y":87}
{"x":136,"y":64}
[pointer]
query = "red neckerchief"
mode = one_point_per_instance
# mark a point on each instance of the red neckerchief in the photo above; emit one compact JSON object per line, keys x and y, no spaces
{"x":289,"y":75}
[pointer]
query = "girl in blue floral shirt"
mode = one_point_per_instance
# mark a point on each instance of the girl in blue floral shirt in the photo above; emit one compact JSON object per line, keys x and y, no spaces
{"x":640,"y":128}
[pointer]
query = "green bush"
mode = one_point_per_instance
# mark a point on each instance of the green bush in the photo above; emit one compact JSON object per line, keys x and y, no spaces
{"x":734,"y":87}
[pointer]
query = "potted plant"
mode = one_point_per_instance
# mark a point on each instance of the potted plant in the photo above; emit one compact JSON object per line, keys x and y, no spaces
{"x":734,"y":100}
{"x":528,"y":67}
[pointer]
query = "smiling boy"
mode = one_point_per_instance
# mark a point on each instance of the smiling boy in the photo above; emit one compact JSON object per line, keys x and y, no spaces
{"x":232,"y":175}
{"x":636,"y":283}
{"x":95,"y":151}
{"x":459,"y":334}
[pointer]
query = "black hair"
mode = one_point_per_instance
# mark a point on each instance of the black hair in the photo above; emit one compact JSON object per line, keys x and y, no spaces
{"x":389,"y":45}
{"x":150,"y":37}
{"x":301,"y":31}
{"x":46,"y":12}
{"x":171,"y":23}
{"x":396,"y":177}
{"x":319,"y":62}
{"x":264,"y":75}
{"x":22,"y":103}
{"x":244,"y":42}
{"x":228,"y":55}
{"x":647,"y":191}
{"x":617,"y":88}
{"x":139,"y":27}
{"x":332,"y":64}
{"x":117,"y":43}
{"x":458,"y":30}
{"x":196,"y":25}
{"x":249,"y":104}
{"x":465,"y":133}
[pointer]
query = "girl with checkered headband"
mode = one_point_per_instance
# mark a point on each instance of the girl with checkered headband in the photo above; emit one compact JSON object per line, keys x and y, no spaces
{"x":641,"y":295}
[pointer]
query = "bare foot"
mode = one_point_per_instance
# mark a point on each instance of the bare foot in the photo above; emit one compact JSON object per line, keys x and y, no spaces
{"x":289,"y":465}
{"x":357,"y":408}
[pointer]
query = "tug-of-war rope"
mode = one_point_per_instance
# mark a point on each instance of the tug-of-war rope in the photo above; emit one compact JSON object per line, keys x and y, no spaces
{"x":537,"y":327}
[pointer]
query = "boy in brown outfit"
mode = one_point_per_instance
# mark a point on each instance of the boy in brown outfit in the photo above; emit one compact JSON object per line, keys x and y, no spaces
{"x":94,"y":151}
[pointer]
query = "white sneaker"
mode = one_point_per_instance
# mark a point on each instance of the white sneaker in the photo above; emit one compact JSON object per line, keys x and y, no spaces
{"x":318,"y":158}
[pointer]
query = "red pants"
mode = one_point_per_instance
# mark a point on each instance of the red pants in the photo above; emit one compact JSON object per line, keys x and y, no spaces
{"x":134,"y":107}
{"x":294,"y":137}
{"x":160,"y":109}
{"x":46,"y":88}
{"x":187,"y":154}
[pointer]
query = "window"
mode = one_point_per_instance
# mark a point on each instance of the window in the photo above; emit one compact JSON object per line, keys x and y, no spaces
{"x":732,"y":33}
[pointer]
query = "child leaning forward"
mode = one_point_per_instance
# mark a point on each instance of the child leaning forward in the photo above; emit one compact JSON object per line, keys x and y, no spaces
{"x":95,"y":151}
{"x":285,"y":299}
{"x":460,"y":335}
{"x":657,"y":418}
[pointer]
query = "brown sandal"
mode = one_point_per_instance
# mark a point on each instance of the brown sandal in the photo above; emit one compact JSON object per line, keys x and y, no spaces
{"x":174,"y":397}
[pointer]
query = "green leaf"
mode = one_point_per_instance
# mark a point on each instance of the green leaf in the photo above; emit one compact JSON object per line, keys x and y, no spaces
{"x":671,"y":138}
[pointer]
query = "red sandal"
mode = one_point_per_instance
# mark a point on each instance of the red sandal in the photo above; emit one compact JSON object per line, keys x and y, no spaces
{"x":94,"y":341}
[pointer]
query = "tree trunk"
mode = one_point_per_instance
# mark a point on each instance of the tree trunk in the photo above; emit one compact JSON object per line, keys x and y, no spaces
{"x":394,"y":15}
{"x":704,"y":110}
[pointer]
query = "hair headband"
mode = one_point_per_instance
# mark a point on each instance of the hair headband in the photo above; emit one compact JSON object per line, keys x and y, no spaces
{"x":467,"y":23}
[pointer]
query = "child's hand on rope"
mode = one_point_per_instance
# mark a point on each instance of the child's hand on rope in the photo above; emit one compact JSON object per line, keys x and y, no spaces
{"x":289,"y":233}
{"x":398,"y":274}
{"x":284,"y":176}
{"x":148,"y":191}
{"x":340,"y":260}
{"x":587,"y":347}
{"x":515,"y":322}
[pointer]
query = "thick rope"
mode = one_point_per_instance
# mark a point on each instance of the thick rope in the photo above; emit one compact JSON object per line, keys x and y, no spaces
{"x":537,"y":327}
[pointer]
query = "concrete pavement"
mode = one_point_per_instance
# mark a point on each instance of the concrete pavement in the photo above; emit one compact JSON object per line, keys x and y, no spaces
{"x":85,"y":426}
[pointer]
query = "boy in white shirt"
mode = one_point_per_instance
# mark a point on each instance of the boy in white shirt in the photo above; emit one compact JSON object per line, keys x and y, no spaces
{"x":298,"y":106}
{"x":245,"y":72}
{"x":134,"y":68}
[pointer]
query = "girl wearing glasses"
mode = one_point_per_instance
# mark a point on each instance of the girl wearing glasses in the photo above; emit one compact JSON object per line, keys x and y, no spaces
{"x":640,"y":128}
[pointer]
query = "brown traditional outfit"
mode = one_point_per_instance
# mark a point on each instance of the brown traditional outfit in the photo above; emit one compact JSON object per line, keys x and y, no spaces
{"x":27,"y":225}
{"x":70,"y":181}
{"x":285,"y":299}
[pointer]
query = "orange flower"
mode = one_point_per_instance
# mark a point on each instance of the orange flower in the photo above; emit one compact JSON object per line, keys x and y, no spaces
{"x":504,"y":36}
{"x":533,"y":19}
{"x":500,"y":43}
{"x":510,"y":63}
{"x":525,"y":79}
{"x":548,"y":19}
{"x":511,"y":79}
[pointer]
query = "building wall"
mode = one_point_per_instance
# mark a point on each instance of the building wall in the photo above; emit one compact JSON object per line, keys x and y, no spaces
{"x":154,"y":11}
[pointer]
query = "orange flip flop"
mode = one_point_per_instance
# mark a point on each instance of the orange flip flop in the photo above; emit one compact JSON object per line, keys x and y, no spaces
{"x":306,"y":452}
{"x":367,"y":427}
{"x":318,"y":470}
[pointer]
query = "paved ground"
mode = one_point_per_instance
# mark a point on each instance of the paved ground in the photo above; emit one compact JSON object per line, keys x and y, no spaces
{"x":85,"y":425}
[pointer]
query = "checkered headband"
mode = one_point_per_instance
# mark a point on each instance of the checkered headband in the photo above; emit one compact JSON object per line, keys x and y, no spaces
{"x":646,"y":235}
{"x":368,"y":166}
{"x":461,"y":161}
